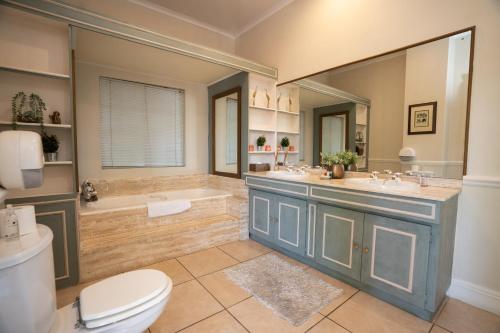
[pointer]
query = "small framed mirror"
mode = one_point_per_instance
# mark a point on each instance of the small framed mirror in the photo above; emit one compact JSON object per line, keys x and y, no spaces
{"x":226,"y":129}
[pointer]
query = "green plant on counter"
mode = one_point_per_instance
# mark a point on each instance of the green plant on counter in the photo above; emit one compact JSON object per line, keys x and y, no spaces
{"x":50,"y":143}
{"x":261,"y":140}
{"x":285,"y":142}
{"x":348,"y":157}
{"x":331,"y":159}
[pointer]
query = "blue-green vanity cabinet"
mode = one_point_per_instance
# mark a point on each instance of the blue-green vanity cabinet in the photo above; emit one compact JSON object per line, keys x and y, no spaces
{"x":398,"y":248}
{"x":339,"y":236}
{"x":279,"y":219}
{"x":396,"y":257}
{"x":261,"y":214}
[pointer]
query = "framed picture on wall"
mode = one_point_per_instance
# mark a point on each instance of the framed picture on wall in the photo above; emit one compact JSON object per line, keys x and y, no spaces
{"x":422,"y":118}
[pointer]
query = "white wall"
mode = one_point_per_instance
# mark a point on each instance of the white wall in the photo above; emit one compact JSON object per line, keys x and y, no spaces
{"x":308,"y":36}
{"x":88,"y":122}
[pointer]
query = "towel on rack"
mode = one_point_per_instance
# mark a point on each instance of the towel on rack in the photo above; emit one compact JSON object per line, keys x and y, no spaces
{"x":167,"y":207}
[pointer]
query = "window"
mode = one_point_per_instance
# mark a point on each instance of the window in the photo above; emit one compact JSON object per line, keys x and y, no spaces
{"x":302,"y":142}
{"x":232,"y":130}
{"x":141,"y":125}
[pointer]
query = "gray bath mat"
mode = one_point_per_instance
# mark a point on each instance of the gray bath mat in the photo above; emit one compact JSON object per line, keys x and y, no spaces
{"x":290,"y":291}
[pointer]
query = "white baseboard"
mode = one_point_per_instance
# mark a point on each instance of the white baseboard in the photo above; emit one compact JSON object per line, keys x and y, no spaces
{"x":475,"y":295}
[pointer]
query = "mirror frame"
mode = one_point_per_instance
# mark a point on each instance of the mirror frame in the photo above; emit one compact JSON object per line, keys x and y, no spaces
{"x":231,"y":91}
{"x":346,"y":134}
{"x":472,"y":30}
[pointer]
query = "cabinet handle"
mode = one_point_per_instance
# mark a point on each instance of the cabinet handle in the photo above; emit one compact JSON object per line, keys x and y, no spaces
{"x":365,"y":250}
{"x":355,"y":246}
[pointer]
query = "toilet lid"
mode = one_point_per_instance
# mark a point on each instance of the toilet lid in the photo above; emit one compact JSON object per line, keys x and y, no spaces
{"x":123,"y":293}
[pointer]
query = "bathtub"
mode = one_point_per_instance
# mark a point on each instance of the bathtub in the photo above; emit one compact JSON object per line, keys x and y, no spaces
{"x":126,"y":202}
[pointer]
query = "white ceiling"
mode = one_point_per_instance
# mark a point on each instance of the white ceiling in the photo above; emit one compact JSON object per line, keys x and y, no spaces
{"x":229,"y":17}
{"x":117,"y":53}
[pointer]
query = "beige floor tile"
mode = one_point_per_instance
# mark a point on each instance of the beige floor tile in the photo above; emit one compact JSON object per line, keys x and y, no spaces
{"x":225,"y":290}
{"x":363,"y":313}
{"x":258,"y":318}
{"x":437,"y":329}
{"x":348,"y":291}
{"x":460,"y":317}
{"x":67,"y":295}
{"x":174,"y":270}
{"x":244,"y":250}
{"x":188,"y":304}
{"x":206,"y":261}
{"x":327,"y":326}
{"x":222,"y":322}
{"x":291,"y":260}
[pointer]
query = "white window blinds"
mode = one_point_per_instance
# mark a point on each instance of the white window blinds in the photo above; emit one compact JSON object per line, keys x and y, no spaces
{"x":141,"y":125}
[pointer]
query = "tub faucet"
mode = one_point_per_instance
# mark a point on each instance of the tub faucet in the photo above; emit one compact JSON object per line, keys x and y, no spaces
{"x":88,"y":192}
{"x":374,"y":175}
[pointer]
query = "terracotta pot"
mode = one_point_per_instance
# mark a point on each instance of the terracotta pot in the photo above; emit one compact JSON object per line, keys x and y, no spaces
{"x":352,"y":167}
{"x":337,"y":171}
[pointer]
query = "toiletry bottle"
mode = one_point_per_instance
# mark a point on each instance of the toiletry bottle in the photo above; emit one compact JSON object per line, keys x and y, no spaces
{"x":10,"y":226}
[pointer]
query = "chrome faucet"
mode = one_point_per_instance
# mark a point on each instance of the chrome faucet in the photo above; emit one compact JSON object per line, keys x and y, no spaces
{"x":397,"y":176}
{"x":374,"y":175}
{"x":388,"y":172}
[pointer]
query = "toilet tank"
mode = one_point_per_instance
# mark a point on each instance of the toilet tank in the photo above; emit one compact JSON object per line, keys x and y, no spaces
{"x":27,"y":285}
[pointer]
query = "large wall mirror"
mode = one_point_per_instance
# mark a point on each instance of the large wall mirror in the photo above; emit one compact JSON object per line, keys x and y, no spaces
{"x":226,"y":131}
{"x":405,"y":111}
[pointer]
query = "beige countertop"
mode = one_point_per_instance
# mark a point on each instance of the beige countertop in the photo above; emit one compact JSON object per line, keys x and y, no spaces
{"x":429,"y":193}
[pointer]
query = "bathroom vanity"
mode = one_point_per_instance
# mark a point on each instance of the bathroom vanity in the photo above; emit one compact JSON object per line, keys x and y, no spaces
{"x":394,"y":243}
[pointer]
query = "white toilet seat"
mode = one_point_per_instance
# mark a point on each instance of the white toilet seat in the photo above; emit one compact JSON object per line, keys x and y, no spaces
{"x":127,"y":302}
{"x":122,"y":296}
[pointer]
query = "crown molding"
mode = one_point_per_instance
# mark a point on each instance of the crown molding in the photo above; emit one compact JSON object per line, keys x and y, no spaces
{"x":273,"y":10}
{"x":188,"y":19}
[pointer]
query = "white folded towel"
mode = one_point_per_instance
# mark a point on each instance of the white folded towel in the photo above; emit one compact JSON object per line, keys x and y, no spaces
{"x":167,"y":207}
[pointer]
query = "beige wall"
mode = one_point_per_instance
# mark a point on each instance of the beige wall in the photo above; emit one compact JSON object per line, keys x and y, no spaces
{"x":383,"y":82}
{"x":312,"y":35}
{"x":146,"y":18}
{"x":88,"y":120}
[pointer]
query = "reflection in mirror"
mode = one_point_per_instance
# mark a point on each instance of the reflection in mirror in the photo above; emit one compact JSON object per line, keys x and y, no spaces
{"x":226,"y":132}
{"x":410,"y":109}
{"x":333,"y":133}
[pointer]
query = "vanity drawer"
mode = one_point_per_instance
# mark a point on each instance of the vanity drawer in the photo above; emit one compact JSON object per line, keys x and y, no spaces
{"x":396,"y":206}
{"x":278,"y":186}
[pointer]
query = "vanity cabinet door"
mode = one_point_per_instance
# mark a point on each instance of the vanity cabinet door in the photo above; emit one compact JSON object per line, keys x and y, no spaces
{"x":395,"y":257}
{"x":291,"y":224}
{"x":339,"y":233}
{"x":261,"y":214}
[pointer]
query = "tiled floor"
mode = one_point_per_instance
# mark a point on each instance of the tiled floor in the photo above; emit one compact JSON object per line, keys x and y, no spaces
{"x":204,"y":300}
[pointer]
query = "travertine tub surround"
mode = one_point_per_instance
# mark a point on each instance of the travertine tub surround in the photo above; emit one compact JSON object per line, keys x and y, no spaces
{"x":117,"y":241}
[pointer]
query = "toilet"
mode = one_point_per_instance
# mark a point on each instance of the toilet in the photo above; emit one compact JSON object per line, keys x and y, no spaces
{"x":127,"y":302}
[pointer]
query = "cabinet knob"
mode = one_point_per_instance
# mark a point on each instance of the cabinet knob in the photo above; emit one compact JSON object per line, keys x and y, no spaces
{"x":355,"y":246}
{"x":365,"y":250}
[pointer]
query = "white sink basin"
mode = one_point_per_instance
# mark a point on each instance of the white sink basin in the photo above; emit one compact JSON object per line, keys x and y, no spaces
{"x":384,"y":184}
{"x":286,"y":175}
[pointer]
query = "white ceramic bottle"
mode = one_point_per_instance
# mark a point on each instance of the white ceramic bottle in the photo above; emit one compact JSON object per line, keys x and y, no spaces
{"x":10,"y":225}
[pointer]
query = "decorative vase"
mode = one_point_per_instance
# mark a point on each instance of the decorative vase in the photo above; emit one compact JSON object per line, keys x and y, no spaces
{"x":337,"y":171}
{"x":51,"y":157}
{"x":352,"y":167}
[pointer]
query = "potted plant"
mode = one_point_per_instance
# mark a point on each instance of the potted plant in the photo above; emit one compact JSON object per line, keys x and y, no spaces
{"x":50,"y":146}
{"x":261,"y":140}
{"x":335,"y":163}
{"x":285,"y":142}
{"x":350,"y":159}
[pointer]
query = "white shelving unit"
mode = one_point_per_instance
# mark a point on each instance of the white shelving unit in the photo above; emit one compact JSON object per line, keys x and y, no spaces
{"x":361,"y":127}
{"x":274,"y":120}
{"x":53,"y":83}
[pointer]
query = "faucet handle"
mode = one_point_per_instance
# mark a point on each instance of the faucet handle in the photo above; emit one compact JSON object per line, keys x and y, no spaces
{"x":374,"y":174}
{"x":388,"y":172}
